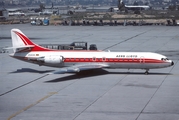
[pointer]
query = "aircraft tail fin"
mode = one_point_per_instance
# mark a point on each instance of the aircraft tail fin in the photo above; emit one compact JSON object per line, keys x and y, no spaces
{"x":121,"y":5}
{"x":21,"y":43}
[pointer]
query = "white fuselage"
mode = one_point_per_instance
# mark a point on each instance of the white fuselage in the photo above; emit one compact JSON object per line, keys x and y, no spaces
{"x":127,"y":60}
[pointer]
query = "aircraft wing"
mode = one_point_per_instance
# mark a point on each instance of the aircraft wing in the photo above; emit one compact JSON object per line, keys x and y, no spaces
{"x":78,"y":68}
{"x":137,"y":6}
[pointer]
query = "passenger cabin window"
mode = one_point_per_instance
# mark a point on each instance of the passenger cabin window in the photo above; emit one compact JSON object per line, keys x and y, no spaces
{"x":94,"y":59}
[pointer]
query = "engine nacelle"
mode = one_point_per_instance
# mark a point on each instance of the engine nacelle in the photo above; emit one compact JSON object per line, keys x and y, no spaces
{"x":52,"y":59}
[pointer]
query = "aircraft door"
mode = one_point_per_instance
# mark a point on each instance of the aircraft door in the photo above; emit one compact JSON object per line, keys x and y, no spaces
{"x":94,"y":59}
{"x":142,"y":60}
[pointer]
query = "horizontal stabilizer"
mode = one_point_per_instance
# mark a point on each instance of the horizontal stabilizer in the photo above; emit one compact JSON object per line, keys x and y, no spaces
{"x":20,"y":47}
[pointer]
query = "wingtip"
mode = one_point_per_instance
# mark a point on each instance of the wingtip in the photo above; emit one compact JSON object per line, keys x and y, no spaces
{"x":50,"y":73}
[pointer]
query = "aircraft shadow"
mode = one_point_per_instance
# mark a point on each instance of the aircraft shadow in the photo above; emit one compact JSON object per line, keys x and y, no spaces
{"x":82,"y":74}
{"x":97,"y":72}
{"x":29,"y":70}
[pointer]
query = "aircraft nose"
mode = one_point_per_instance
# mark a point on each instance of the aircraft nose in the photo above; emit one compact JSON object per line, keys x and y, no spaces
{"x":172,"y":63}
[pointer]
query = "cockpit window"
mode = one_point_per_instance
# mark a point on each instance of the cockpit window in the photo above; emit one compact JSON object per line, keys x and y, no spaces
{"x":164,"y":59}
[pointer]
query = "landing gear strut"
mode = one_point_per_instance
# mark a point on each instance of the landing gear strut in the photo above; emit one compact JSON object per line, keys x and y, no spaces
{"x":147,"y":71}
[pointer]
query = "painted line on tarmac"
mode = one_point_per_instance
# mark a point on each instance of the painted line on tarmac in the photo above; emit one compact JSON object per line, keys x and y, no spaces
{"x":22,"y":85}
{"x":28,"y":107}
{"x":125,"y":40}
{"x":40,"y":100}
{"x":142,"y":111}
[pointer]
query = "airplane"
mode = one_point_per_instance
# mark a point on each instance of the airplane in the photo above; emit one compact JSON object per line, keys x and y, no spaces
{"x":121,"y":6}
{"x":74,"y":61}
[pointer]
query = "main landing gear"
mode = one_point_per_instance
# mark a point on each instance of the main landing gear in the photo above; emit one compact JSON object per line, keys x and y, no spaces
{"x":147,"y":71}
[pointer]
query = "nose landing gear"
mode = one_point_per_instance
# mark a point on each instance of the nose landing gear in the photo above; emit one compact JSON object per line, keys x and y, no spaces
{"x":147,"y":71}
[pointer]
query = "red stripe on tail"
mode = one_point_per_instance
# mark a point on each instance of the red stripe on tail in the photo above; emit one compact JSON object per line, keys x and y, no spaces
{"x":27,"y":41}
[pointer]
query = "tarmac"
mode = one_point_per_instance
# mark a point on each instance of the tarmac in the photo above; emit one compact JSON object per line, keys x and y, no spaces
{"x":28,"y":93}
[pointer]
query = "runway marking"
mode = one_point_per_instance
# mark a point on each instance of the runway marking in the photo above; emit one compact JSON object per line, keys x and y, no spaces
{"x":124,"y":40}
{"x":100,"y":96}
{"x":28,"y":107}
{"x":142,"y":111}
{"x":22,"y":85}
{"x":40,"y":100}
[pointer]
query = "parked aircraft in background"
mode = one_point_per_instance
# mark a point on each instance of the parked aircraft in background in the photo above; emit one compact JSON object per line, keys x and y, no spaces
{"x":122,"y":6}
{"x":79,"y":60}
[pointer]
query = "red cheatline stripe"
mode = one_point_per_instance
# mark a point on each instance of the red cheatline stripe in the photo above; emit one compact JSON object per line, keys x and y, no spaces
{"x":113,"y":60}
{"x":99,"y":60}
